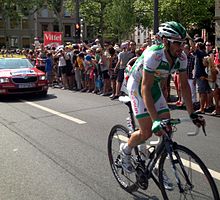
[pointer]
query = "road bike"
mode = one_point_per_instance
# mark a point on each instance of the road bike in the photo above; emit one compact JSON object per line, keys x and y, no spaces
{"x":189,"y":176}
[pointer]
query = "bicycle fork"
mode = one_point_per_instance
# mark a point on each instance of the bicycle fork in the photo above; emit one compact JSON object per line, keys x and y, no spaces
{"x":174,"y":161}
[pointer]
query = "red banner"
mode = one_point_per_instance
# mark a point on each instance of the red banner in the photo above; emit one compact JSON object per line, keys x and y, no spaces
{"x":52,"y":39}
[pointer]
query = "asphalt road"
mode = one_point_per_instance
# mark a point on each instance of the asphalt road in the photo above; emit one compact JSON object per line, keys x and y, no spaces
{"x":56,"y":147}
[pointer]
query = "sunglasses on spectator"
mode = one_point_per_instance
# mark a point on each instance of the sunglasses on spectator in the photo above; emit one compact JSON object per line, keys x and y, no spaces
{"x":208,"y":45}
{"x":180,"y":43}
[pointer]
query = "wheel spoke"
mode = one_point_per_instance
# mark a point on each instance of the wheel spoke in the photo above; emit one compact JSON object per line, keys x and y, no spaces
{"x":195,"y":184}
{"x":118,"y":135}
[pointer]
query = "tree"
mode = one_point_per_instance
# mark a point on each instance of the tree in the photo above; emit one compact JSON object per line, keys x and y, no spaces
{"x":192,"y":14}
{"x":57,"y":6}
{"x":121,"y":18}
{"x":93,"y":13}
{"x":15,"y":10}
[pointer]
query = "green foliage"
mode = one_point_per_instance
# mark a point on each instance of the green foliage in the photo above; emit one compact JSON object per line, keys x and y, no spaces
{"x":187,"y":12}
{"x":144,"y":11}
{"x":16,"y":9}
{"x":55,"y":5}
{"x":117,"y":18}
{"x":121,"y":18}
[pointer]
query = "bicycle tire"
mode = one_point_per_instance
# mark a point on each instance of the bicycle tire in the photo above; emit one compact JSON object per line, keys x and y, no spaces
{"x":117,"y":135}
{"x":207,"y":190}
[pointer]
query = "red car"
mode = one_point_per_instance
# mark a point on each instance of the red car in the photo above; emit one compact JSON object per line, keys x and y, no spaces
{"x":19,"y":76}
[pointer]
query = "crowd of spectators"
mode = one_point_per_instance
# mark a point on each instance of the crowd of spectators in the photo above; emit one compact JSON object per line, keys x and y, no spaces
{"x":99,"y":69}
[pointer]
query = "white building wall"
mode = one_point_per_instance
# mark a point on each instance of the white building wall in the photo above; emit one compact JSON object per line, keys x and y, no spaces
{"x":140,"y":34}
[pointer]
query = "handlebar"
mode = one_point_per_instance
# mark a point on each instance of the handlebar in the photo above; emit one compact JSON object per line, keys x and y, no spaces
{"x":173,"y":122}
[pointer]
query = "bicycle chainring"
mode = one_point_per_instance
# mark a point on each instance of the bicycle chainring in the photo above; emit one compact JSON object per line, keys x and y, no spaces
{"x":141,"y":177}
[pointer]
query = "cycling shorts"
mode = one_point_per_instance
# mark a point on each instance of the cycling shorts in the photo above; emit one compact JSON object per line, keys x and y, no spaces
{"x":138,"y":107}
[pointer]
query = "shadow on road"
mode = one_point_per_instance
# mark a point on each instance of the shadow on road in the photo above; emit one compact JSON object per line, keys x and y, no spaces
{"x":27,"y":97}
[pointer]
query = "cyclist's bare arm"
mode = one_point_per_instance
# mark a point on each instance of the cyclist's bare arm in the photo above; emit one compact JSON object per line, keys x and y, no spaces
{"x":147,"y":83}
{"x":186,"y":92}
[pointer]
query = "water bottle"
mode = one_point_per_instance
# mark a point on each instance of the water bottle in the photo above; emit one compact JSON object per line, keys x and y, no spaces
{"x":144,"y":152}
{"x":129,"y":124}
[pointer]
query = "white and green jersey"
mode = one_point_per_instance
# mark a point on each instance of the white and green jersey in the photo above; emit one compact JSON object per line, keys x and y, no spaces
{"x":153,"y":60}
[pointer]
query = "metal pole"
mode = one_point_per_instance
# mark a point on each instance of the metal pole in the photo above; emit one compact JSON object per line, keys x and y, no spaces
{"x":156,"y":18}
{"x":77,"y":17}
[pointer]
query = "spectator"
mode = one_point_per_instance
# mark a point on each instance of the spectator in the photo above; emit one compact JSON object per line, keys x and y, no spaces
{"x":49,"y":68}
{"x":216,"y":112}
{"x":62,"y":69}
{"x":112,"y":63}
{"x":190,"y":68}
{"x":104,"y":68}
{"x":69,"y":70}
{"x":123,"y":58}
{"x":201,"y":75}
{"x":80,"y":63}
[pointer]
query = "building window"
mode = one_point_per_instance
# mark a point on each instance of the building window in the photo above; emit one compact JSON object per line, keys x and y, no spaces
{"x":66,"y":13}
{"x":26,"y":42}
{"x":67,"y":31}
{"x":56,"y":28}
{"x":44,"y":27}
{"x":14,"y":41}
{"x":2,"y":25}
{"x":2,"y":42}
{"x":138,"y":41}
{"x":14,"y":23}
{"x":25,"y":24}
{"x":44,"y":13}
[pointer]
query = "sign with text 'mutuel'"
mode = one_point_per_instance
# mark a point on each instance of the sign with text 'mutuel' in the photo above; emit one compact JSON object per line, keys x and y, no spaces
{"x":52,"y":39}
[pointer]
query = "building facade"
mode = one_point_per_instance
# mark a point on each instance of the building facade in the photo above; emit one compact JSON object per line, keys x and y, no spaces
{"x":21,"y":33}
{"x":140,"y":34}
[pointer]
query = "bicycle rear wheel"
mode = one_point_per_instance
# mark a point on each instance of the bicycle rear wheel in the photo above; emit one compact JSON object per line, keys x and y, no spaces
{"x":120,"y":134}
{"x":200,"y":184}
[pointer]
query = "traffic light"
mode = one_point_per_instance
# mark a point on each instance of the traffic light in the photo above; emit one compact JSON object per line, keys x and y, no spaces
{"x":77,"y":30}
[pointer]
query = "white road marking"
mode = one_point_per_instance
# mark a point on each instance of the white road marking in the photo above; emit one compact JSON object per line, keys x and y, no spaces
{"x":186,"y":163}
{"x":73,"y":119}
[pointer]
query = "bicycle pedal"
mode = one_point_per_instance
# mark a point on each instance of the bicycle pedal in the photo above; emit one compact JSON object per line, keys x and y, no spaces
{"x":143,"y":185}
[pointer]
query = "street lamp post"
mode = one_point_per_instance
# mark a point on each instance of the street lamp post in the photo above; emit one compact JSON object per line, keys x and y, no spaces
{"x":77,"y":36}
{"x":156,"y":18}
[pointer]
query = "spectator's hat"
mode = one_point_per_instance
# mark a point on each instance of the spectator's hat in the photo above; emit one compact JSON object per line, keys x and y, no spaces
{"x":117,"y":48}
{"x":94,"y":47}
{"x":124,"y":45}
{"x":198,"y":39}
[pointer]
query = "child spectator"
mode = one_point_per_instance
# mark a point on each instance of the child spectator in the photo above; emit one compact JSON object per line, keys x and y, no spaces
{"x":49,"y":68}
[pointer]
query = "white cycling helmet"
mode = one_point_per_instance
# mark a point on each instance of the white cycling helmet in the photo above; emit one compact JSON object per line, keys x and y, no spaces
{"x":172,"y":30}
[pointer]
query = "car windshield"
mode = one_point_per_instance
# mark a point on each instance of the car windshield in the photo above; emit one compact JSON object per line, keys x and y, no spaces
{"x":14,"y":63}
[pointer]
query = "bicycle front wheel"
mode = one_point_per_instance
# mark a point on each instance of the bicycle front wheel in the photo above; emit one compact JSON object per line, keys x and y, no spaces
{"x":120,"y":134}
{"x":195,"y":181}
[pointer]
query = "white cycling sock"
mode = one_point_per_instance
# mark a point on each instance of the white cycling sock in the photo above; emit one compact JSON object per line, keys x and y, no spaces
{"x":127,"y":149}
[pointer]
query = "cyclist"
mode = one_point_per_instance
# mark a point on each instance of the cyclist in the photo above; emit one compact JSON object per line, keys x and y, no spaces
{"x":148,"y":103}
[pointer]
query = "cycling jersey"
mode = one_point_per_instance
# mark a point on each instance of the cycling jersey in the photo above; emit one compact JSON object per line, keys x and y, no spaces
{"x":153,"y":60}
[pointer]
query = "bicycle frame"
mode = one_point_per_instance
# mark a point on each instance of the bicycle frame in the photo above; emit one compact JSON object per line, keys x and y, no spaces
{"x":166,"y":144}
{"x":164,"y":148}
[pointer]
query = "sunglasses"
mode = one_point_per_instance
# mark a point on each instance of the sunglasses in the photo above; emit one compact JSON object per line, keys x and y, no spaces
{"x":180,"y":43}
